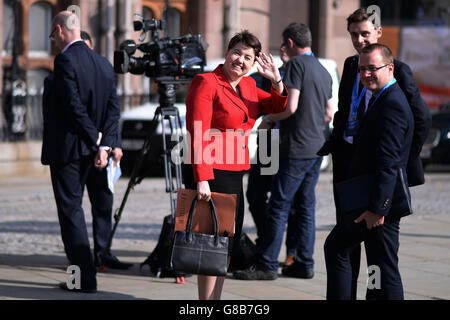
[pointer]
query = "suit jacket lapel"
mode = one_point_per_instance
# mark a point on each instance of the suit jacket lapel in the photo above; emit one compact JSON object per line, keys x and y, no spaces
{"x":229,"y":92}
{"x":354,"y":68}
{"x":371,"y":110}
{"x":351,"y":82}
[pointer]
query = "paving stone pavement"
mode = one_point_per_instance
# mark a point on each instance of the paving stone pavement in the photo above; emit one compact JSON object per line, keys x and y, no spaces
{"x":32,"y":260}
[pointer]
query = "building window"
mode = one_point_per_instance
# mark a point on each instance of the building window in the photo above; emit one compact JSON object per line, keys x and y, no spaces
{"x":8,"y":28}
{"x":173,"y":18}
{"x":39,"y":29}
{"x":35,"y":80}
{"x":412,"y":12}
{"x":147,"y":13}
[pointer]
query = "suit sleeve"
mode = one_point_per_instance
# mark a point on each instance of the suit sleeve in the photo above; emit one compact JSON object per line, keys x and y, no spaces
{"x":66,"y":78}
{"x":394,"y":127}
{"x":111,"y":131}
{"x":46,"y":98}
{"x":340,"y":116}
{"x":421,"y":113}
{"x":199,"y":111}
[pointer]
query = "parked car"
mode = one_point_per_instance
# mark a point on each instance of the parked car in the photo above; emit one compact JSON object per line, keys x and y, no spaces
{"x":135,"y":126}
{"x":436,"y":149}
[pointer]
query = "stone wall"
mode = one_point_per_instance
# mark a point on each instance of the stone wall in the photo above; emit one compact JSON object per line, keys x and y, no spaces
{"x":21,"y":158}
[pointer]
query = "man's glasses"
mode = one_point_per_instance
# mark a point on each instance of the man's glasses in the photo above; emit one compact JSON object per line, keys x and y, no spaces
{"x":51,"y":37}
{"x":371,"y":69}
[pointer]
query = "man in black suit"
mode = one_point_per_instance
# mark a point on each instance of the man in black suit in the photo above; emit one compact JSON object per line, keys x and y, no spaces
{"x":81,"y":124}
{"x":382,"y":144}
{"x":101,"y":199}
{"x":353,"y":99}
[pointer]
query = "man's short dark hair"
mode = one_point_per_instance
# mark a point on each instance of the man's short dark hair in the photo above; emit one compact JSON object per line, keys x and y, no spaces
{"x":384,"y":50}
{"x":357,"y":16}
{"x":248,"y":39}
{"x":299,"y":33}
{"x":85,"y":36}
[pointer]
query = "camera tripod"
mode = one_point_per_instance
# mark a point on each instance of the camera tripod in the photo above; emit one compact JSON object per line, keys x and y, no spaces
{"x":166,"y":110}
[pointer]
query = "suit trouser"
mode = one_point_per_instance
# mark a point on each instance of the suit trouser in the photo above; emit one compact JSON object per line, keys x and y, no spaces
{"x":101,"y":199}
{"x":257,"y":194}
{"x":341,"y":160}
{"x":68,"y":182}
{"x":381,"y":245}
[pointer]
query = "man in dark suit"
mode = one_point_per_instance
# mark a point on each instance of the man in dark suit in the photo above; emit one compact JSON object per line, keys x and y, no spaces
{"x":101,"y":199}
{"x":352,"y":103}
{"x":382,"y":145}
{"x":81,"y":125}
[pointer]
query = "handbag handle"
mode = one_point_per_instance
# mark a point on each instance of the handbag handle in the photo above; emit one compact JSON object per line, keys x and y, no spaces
{"x":213,"y":215}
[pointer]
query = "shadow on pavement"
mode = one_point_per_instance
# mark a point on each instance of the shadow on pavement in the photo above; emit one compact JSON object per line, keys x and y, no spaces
{"x":135,"y":231}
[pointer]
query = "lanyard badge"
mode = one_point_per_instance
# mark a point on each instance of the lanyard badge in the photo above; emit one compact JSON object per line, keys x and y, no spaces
{"x":353,"y":124}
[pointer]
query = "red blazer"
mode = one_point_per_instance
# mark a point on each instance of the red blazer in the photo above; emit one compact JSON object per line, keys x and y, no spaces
{"x":219,"y":122}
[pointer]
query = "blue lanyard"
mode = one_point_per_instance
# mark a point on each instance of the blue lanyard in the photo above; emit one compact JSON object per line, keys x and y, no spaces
{"x":308,"y":54}
{"x":356,"y":100}
{"x":390,"y":83}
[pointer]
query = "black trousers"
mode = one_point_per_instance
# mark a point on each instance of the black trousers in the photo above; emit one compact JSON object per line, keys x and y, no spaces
{"x":341,"y":160}
{"x":229,"y":182}
{"x":101,"y":200}
{"x":68,"y":182}
{"x":258,"y":189}
{"x":381,"y":245}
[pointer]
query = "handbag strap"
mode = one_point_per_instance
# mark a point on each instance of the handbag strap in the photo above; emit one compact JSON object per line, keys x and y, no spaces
{"x":213,"y":215}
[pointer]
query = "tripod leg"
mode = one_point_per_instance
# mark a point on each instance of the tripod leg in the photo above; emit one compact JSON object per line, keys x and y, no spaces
{"x":170,"y":188}
{"x":132,"y":182}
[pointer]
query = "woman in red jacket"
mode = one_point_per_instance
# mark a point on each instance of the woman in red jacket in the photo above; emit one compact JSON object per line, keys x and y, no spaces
{"x":221,"y":109}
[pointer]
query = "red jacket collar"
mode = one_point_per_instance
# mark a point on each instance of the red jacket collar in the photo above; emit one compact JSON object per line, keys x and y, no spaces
{"x":220,"y":76}
{"x":222,"y":80}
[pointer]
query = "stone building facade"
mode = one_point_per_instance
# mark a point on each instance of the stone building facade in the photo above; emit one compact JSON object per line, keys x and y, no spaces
{"x":111,"y":21}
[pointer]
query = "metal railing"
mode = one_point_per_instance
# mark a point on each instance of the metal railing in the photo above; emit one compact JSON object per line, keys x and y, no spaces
{"x":34,"y":119}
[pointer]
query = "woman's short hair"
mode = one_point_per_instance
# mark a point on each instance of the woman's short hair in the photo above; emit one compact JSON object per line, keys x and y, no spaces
{"x":246,"y":38}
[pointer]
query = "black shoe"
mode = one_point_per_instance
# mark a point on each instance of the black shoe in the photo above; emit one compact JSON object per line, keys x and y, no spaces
{"x":63,"y":286}
{"x":112,"y":262}
{"x":298,"y":272}
{"x":253,"y":273}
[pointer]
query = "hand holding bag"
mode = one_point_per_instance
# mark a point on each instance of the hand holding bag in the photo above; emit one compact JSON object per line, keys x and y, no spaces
{"x":224,"y":204}
{"x":198,"y":253}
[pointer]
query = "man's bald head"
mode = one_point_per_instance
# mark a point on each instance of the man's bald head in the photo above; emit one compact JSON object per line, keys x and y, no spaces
{"x":67,"y":20}
{"x":66,"y":28}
